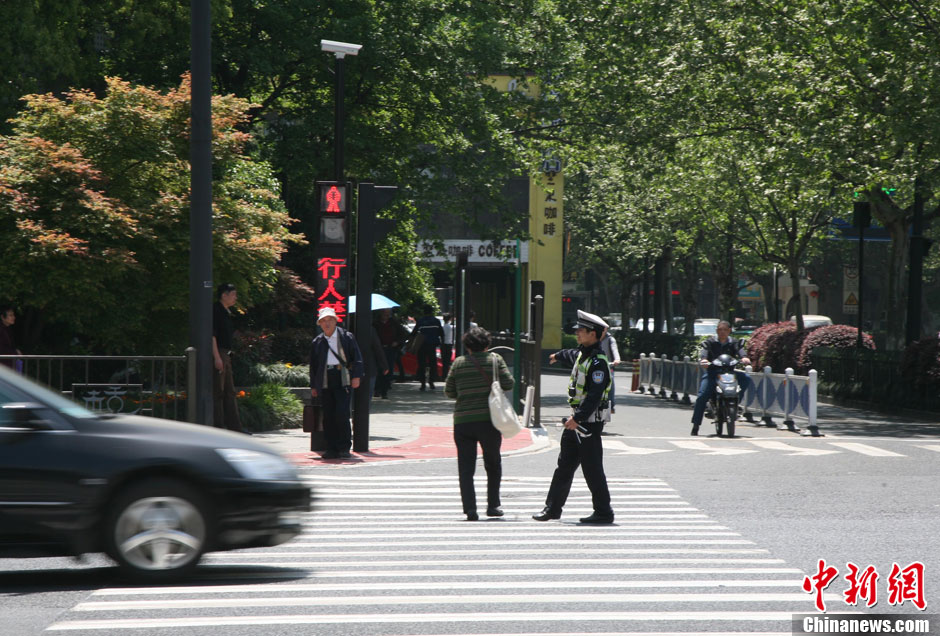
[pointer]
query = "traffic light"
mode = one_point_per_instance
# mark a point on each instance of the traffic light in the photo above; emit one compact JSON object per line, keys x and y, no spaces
{"x":333,"y":210}
{"x":861,"y":214}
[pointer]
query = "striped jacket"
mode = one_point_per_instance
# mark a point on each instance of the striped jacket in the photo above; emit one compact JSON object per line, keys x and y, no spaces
{"x":468,"y":386}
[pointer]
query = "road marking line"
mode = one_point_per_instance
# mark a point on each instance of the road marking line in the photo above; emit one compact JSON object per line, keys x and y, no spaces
{"x":933,"y":447}
{"x":447,"y":585}
{"x":471,"y":617}
{"x":795,"y":450}
{"x":326,"y":573}
{"x":448,"y":599}
{"x":624,"y":449}
{"x":712,"y":450}
{"x":574,"y":539}
{"x":865,"y":449}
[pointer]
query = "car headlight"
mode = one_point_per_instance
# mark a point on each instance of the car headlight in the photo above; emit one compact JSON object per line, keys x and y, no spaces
{"x":256,"y":465}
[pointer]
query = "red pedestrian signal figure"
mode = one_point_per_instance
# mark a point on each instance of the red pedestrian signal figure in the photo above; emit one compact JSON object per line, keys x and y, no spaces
{"x":333,"y":198}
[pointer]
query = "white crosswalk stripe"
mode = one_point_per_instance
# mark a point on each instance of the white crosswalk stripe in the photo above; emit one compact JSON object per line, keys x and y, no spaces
{"x":412,"y":566}
{"x":741,"y":446}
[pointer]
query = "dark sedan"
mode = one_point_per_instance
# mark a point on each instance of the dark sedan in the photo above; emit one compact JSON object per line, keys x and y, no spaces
{"x":154,"y":495}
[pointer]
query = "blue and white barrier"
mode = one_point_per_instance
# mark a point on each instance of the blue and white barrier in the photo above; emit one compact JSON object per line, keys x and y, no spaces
{"x":773,"y":394}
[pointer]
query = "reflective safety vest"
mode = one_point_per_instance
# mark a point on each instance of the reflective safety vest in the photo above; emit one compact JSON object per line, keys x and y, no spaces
{"x":578,"y":380}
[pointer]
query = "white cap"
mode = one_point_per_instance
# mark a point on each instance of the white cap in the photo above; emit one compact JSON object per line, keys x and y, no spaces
{"x":325,"y":312}
{"x":591,"y":321}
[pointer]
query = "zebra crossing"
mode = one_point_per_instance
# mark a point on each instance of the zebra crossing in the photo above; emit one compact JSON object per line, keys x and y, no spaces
{"x":788,"y":446}
{"x":393,"y":555}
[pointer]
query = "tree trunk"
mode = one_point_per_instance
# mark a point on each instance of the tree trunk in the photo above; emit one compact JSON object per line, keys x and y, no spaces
{"x":796,"y":301}
{"x":896,"y":303}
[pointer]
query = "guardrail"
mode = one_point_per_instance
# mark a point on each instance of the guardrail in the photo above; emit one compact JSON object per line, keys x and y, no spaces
{"x":157,"y":386}
{"x":783,"y":395}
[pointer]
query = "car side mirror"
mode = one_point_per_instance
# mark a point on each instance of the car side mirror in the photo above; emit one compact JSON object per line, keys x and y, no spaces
{"x":22,"y":416}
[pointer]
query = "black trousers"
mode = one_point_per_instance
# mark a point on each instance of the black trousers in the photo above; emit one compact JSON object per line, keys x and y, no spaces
{"x":466,"y":437}
{"x":589,"y":454}
{"x":447,"y":350}
{"x":427,"y":359}
{"x":334,"y":401}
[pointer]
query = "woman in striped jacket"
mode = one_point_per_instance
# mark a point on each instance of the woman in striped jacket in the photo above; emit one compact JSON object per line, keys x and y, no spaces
{"x":469,"y":382}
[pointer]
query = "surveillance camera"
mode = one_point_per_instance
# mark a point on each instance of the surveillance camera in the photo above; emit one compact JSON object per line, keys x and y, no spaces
{"x":341,"y":49}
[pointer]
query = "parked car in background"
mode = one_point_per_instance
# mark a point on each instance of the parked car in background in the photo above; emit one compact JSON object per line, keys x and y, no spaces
{"x":705,"y":326}
{"x":154,"y":495}
{"x":813,"y":320}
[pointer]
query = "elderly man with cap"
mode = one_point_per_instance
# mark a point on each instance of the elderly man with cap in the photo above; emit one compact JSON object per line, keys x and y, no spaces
{"x":335,"y":368}
{"x":588,"y":396}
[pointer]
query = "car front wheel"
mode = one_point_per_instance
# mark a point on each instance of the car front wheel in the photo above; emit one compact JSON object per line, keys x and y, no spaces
{"x":157,"y":530}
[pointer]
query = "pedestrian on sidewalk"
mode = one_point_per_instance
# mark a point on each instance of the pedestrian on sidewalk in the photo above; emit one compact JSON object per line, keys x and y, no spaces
{"x":447,"y":343}
{"x":432,"y":332}
{"x":225,"y":406}
{"x":609,"y":348}
{"x":392,"y":335}
{"x":469,"y":384}
{"x":7,"y":344}
{"x":335,"y":369}
{"x":588,"y":395}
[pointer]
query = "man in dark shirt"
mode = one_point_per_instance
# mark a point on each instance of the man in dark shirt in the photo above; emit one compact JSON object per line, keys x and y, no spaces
{"x":7,"y":345}
{"x":225,"y":408}
{"x":711,"y":349}
{"x":433,"y":332}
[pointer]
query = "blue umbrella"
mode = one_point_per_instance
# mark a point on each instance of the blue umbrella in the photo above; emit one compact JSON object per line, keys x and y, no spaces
{"x":378,"y":302}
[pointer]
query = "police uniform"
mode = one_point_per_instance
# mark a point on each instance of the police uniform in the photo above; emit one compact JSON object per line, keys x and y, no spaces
{"x":589,"y":398}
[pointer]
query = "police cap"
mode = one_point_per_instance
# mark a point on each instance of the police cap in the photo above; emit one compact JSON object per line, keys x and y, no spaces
{"x":588,"y":320}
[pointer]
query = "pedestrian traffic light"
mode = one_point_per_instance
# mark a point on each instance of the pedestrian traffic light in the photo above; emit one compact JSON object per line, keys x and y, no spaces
{"x":333,"y":196}
{"x":861,"y":214}
{"x":332,"y":246}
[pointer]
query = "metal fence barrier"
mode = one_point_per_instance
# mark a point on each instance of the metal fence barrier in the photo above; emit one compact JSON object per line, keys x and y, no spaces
{"x":783,"y":395}
{"x":156,"y":386}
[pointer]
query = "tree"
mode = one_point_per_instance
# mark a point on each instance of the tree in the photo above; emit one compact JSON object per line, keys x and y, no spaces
{"x":95,"y":219}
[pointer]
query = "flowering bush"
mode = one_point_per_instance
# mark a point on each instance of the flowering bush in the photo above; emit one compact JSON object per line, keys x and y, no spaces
{"x":757,"y":345}
{"x":283,"y":373}
{"x":269,"y":406}
{"x":832,"y":337}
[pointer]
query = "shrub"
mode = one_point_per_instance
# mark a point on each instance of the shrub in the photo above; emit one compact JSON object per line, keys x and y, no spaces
{"x":831,"y":337}
{"x":283,"y":373}
{"x":568,"y":341}
{"x":269,"y":406}
{"x":757,"y":344}
{"x":292,"y":345}
{"x":248,"y":349}
{"x":633,"y":342}
{"x":920,"y":365}
{"x":782,"y":350}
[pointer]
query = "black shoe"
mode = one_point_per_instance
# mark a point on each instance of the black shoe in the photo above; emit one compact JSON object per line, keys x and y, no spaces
{"x":598,"y":518}
{"x":345,"y":455}
{"x":546,"y":514}
{"x":694,"y":430}
{"x":330,"y":455}
{"x":431,"y":387}
{"x":472,"y":516}
{"x":494,"y":512}
{"x":422,"y":388}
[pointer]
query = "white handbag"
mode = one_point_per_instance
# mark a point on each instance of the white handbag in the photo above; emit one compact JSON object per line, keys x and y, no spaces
{"x":502,"y":415}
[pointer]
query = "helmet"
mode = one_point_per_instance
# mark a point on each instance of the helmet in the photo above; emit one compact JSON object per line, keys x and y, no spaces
{"x":726,"y":361}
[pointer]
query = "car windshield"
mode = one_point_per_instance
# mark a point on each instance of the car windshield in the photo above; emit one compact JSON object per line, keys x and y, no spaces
{"x":705,"y":328}
{"x":51,"y":398}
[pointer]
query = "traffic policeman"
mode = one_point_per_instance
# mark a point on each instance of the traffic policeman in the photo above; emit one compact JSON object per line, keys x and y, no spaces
{"x":588,"y":396}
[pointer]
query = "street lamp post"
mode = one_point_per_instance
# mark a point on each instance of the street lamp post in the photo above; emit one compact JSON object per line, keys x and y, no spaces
{"x":340,"y":50}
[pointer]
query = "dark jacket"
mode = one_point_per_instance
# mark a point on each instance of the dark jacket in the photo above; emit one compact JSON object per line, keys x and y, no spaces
{"x":712,"y":348}
{"x":430,"y":327}
{"x":593,"y":388}
{"x":319,"y":349}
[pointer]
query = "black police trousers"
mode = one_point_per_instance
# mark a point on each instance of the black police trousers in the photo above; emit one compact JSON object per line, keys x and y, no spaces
{"x":588,"y":453}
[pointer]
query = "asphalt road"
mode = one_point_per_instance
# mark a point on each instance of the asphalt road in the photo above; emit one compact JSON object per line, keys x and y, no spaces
{"x":712,"y":536}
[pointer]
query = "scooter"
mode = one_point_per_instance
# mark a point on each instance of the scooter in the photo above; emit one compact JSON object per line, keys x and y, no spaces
{"x":727,"y":394}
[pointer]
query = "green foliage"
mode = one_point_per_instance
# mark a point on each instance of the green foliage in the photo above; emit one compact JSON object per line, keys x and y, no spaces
{"x":920,"y":365}
{"x":284,"y":374}
{"x":634,"y":342}
{"x":568,"y":341}
{"x":829,"y":337}
{"x":270,"y":406}
{"x":95,"y":190}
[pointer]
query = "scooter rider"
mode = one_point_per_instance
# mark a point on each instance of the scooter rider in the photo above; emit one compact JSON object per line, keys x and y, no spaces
{"x":711,"y":349}
{"x":588,"y":396}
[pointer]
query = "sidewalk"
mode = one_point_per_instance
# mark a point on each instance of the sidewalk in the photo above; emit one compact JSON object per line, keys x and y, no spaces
{"x":410,"y":425}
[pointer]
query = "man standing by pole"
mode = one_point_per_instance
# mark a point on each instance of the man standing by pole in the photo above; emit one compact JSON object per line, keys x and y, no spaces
{"x":588,"y":396}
